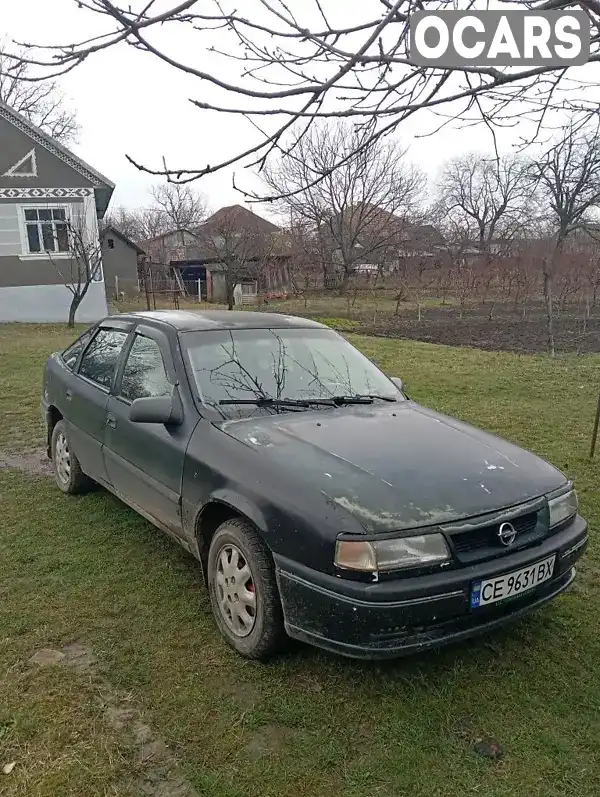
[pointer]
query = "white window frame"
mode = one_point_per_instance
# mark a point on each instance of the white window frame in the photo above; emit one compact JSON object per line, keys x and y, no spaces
{"x":25,"y":253}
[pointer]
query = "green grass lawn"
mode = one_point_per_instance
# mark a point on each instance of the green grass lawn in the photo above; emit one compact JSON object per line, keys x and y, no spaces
{"x":89,"y":570}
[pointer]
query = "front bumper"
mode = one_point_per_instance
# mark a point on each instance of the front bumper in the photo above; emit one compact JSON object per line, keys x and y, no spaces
{"x":410,"y":614}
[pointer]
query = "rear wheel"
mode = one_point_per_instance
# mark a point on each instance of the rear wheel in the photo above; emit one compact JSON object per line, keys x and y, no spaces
{"x":243,"y":591}
{"x":67,"y":470}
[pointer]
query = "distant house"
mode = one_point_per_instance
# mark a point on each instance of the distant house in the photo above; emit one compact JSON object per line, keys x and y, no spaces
{"x":172,"y":245}
{"x":44,"y":189}
{"x":235,"y":219}
{"x":479,"y":253}
{"x":421,"y":240}
{"x":233,"y":237}
{"x":121,"y":260}
{"x":365,"y":239}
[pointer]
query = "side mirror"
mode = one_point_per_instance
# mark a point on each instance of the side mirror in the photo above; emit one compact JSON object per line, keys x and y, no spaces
{"x":398,"y":382}
{"x":156,"y":409}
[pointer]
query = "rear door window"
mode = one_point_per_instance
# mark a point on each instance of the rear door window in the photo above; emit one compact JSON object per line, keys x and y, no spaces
{"x":144,"y":374}
{"x":100,"y":360}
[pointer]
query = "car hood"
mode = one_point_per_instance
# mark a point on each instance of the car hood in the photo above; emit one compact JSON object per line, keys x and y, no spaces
{"x":398,"y":466}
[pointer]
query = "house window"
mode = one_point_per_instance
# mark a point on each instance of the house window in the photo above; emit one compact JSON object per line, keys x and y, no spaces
{"x":46,"y":230}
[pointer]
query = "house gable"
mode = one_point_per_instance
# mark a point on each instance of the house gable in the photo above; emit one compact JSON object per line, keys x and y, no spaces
{"x":20,"y":152}
{"x":34,"y":166}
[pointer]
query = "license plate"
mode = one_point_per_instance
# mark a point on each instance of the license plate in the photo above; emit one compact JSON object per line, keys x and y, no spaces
{"x":511,"y":584}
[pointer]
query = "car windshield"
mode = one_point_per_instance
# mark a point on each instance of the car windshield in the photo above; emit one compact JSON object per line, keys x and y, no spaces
{"x":298,"y":365}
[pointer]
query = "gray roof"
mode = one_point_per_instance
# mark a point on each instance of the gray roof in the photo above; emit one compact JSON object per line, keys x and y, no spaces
{"x":189,"y":321}
{"x":104,"y":187}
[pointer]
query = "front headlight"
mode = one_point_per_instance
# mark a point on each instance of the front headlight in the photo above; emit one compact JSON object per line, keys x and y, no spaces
{"x":391,"y":554}
{"x":562,"y":507}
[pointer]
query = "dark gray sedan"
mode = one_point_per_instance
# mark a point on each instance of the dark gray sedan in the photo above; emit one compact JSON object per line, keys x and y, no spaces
{"x":321,"y":502}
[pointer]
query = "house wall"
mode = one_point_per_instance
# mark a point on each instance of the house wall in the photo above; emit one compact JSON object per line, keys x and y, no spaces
{"x":17,"y":267}
{"x":32,"y":286}
{"x":121,"y":262}
{"x":50,"y":303}
{"x":218,"y":287}
{"x":177,"y":245}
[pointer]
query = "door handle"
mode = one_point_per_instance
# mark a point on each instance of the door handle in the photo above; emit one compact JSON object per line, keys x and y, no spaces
{"x":111,"y":420}
{"x":68,"y":395}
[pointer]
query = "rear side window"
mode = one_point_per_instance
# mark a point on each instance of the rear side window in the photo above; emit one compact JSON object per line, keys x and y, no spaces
{"x":102,"y":355}
{"x":144,"y":374}
{"x":71,"y":355}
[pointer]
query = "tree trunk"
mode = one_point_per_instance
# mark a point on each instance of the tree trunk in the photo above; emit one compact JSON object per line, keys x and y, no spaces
{"x":344,"y":282}
{"x":75,"y":302}
{"x":549,"y":312}
{"x":229,"y":286}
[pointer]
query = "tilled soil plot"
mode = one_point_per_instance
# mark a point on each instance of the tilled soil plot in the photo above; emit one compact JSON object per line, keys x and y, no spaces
{"x":506,"y":331}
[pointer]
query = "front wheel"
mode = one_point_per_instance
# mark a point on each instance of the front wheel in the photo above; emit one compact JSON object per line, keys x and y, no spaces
{"x":67,"y":470}
{"x":243,"y":591}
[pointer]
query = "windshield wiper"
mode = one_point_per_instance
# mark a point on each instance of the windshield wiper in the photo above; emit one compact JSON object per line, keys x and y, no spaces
{"x":334,"y":401}
{"x":377,"y":396}
{"x":266,"y":401}
{"x":363,"y":398}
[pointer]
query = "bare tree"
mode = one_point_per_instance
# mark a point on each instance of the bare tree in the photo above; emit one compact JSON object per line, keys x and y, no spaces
{"x":307,"y":61}
{"x":305,"y":261}
{"x":237,"y":244}
{"x":179,"y":206}
{"x":139,"y":224}
{"x":174,"y":207}
{"x":486,"y":197}
{"x":84,"y":265}
{"x":43,"y":103}
{"x":568,"y":176}
{"x":360,"y":211}
{"x":129,"y":222}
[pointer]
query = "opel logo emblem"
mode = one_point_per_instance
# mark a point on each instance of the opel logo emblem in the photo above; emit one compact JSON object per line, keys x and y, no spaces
{"x":507,"y":534}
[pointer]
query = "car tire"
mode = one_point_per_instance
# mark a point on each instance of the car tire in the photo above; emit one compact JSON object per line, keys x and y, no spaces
{"x":67,"y":470}
{"x":243,"y":591}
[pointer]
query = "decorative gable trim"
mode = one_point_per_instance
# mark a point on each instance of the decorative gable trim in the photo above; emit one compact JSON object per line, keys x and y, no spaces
{"x":18,"y":171}
{"x":45,"y":193}
{"x":37,"y":135}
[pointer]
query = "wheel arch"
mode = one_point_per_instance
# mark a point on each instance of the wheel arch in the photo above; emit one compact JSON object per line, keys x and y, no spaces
{"x":53,"y":416}
{"x":222,"y":506}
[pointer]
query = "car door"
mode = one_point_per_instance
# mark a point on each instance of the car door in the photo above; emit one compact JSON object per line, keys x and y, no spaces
{"x":86,"y":397}
{"x":144,"y":461}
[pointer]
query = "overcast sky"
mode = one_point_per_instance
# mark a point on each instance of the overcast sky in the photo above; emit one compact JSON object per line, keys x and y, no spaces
{"x":129,"y":102}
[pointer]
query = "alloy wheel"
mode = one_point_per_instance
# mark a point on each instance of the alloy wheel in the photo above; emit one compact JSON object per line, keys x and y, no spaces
{"x":62,"y":458}
{"x":236,"y":592}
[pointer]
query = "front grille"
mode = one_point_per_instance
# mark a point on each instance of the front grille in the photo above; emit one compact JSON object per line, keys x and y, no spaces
{"x":482,"y":543}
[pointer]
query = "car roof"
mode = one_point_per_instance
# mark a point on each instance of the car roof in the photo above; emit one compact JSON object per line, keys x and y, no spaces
{"x":192,"y":320}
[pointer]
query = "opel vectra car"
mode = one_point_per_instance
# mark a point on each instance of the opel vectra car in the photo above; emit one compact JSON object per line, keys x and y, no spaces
{"x":321,"y":502}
